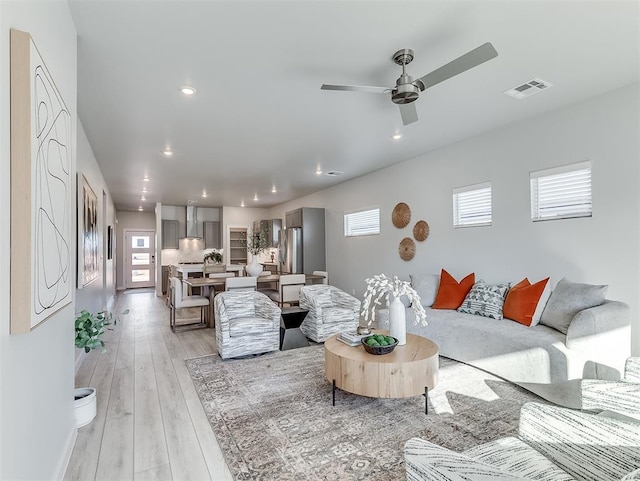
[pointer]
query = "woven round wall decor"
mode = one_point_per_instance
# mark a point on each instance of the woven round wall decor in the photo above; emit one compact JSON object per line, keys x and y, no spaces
{"x":421,"y":230}
{"x":407,"y":249}
{"x":401,"y":215}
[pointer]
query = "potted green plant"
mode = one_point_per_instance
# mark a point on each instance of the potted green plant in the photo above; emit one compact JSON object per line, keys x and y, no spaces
{"x":89,"y":330}
{"x":213,"y":257}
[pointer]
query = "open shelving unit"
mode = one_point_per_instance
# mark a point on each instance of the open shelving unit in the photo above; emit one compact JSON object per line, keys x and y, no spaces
{"x":237,"y":245}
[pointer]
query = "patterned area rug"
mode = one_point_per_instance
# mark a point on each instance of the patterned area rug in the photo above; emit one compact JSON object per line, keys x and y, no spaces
{"x":273,"y":418}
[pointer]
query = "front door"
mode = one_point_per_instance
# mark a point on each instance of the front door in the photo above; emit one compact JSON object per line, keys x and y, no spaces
{"x":140,"y":268}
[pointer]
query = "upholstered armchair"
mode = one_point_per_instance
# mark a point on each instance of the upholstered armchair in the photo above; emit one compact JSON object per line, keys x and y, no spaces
{"x":330,"y":311}
{"x":247,"y":322}
{"x":622,"y":397}
{"x":553,"y":443}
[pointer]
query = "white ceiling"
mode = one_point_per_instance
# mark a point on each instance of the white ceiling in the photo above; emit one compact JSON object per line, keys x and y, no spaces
{"x":259,"y":118}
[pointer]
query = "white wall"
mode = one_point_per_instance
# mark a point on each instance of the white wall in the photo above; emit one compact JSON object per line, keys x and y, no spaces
{"x":95,"y":296}
{"x":36,"y":369}
{"x":603,"y":249}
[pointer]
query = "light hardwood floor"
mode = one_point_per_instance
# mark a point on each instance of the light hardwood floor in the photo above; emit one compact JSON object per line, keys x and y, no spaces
{"x":150,"y":424}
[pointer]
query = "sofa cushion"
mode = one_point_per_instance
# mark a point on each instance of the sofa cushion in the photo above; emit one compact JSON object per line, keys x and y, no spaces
{"x":485,"y":300}
{"x":426,"y":286}
{"x":522,"y":301}
{"x":249,"y":326}
{"x":569,"y":298}
{"x":451,"y":293}
{"x":514,"y":456}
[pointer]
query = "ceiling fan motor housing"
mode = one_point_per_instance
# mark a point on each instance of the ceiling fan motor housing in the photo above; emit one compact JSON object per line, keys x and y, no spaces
{"x":405,"y":91}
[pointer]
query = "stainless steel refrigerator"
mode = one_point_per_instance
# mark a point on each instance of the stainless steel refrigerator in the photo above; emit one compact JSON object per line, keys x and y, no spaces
{"x":302,"y":248}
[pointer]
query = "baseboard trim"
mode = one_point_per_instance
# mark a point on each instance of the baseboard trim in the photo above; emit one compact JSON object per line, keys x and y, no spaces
{"x":66,"y":457}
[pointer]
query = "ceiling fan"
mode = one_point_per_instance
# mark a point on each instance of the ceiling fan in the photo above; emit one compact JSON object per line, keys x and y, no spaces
{"x":407,"y":90}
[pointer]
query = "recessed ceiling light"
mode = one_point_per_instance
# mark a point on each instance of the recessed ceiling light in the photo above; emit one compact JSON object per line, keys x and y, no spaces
{"x":204,"y":195}
{"x":145,"y":179}
{"x":273,"y":189}
{"x":334,"y":173}
{"x":242,"y":204}
{"x":318,"y":171}
{"x":143,"y":198}
{"x":396,"y":136}
{"x":255,"y":197}
{"x":140,"y":209}
{"x":185,"y":89}
{"x":167,"y":152}
{"x":144,"y":190}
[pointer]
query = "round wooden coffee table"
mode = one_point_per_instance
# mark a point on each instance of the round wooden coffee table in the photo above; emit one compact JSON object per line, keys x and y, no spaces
{"x":408,"y":371}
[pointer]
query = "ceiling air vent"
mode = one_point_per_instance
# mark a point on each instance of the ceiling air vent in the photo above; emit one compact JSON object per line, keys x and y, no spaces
{"x":529,"y":88}
{"x":334,"y":173}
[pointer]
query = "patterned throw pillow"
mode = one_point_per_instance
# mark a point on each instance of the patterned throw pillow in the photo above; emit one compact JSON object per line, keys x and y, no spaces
{"x":485,"y":300}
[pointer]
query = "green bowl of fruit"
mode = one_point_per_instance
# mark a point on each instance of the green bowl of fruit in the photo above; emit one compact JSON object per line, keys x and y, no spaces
{"x":379,"y":344}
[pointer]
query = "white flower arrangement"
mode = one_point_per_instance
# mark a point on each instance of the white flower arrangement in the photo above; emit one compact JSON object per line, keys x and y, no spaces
{"x":379,"y":286}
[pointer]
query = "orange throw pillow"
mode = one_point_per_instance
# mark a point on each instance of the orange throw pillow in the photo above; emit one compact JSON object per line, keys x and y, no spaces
{"x":451,"y":293}
{"x":522,"y":300}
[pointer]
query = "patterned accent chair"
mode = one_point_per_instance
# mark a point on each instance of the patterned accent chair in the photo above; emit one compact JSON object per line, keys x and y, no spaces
{"x":247,"y":322}
{"x":622,"y":397}
{"x":330,"y":311}
{"x":553,"y":444}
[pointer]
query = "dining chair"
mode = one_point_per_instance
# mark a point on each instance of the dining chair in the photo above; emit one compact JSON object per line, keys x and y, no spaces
{"x":288,"y":292}
{"x":173,"y":272}
{"x":179,"y":301}
{"x":241,"y":283}
{"x":324,"y":274}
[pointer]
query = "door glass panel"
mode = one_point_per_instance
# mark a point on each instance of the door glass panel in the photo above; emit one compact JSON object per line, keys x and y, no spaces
{"x":140,"y":275}
{"x":140,"y":242}
{"x":140,"y":259}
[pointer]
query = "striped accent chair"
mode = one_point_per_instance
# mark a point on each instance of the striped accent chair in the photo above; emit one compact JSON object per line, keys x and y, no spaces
{"x":331,"y":311}
{"x":247,"y":322}
{"x":553,"y":444}
{"x":622,"y":396}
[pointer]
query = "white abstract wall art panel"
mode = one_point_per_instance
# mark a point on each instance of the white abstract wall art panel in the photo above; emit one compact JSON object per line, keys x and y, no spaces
{"x":41,"y":190}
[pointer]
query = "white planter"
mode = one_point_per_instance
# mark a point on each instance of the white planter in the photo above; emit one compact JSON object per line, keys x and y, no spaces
{"x":397,"y":321}
{"x":254,"y":268}
{"x":84,"y":408}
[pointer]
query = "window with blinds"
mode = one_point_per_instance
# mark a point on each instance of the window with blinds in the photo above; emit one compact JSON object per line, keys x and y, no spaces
{"x":562,"y":192}
{"x":472,"y":205}
{"x":363,"y":222}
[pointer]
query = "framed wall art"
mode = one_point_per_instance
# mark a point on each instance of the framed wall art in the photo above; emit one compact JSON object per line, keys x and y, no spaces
{"x":110,"y":242}
{"x":41,"y":190}
{"x":88,"y":243}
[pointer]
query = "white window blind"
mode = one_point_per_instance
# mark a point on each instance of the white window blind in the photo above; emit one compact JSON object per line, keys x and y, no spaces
{"x":472,"y":205}
{"x":364,"y":222}
{"x":561,"y":192}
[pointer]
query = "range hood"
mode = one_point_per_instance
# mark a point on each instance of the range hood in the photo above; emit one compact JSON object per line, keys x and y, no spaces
{"x":192,"y":222}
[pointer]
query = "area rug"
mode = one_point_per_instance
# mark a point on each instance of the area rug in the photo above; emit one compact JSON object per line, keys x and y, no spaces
{"x":273,"y":417}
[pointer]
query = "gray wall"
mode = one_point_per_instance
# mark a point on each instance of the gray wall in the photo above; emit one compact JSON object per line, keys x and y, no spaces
{"x":602,"y":249}
{"x":36,"y":369}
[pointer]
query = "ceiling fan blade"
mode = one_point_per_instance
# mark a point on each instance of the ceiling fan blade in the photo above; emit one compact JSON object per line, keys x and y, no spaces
{"x":408,"y":113}
{"x":463,"y":63}
{"x":357,"y":88}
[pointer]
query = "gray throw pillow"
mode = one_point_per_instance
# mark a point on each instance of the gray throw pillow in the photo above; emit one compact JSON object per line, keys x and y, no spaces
{"x":426,"y":286}
{"x":569,"y":298}
{"x":485,"y":300}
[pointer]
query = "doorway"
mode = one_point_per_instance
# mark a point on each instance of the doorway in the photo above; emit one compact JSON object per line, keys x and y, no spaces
{"x":140,"y":263}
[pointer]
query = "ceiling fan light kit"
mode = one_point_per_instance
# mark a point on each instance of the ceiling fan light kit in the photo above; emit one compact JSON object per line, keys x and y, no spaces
{"x":408,"y":90}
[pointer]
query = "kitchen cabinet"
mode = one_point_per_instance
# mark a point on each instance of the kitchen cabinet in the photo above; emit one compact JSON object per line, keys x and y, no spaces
{"x":271,"y":229}
{"x":211,"y":235}
{"x":293,"y":218}
{"x":237,"y":245}
{"x":170,"y":234}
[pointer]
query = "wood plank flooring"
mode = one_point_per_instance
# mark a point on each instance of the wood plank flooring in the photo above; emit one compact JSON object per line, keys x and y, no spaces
{"x":150,"y":424}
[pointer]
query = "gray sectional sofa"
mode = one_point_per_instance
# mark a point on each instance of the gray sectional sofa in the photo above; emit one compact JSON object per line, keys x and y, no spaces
{"x":540,"y":358}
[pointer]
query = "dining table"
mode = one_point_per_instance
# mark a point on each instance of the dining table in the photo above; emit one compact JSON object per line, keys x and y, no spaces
{"x":186,"y":269}
{"x":219,"y":283}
